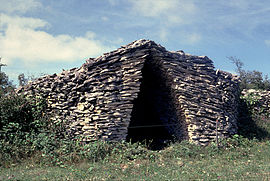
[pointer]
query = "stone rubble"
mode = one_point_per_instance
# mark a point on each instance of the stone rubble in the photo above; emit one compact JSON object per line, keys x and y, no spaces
{"x":97,"y":99}
{"x":261,"y":99}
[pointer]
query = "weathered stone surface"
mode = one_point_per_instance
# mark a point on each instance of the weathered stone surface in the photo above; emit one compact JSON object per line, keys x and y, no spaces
{"x":139,"y":88}
{"x":261,"y":100}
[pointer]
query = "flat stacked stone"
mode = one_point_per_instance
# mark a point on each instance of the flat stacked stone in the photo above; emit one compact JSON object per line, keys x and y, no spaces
{"x":98,"y":99}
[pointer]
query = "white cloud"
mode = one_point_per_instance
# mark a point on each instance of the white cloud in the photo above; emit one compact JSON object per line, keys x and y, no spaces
{"x":219,"y":20}
{"x":172,"y":10}
{"x":267,"y":42}
{"x":153,"y":7}
{"x":31,"y":23}
{"x":242,"y":4}
{"x":167,"y":15}
{"x":163,"y":35}
{"x":104,"y":18}
{"x":118,"y":41}
{"x":18,"y":6}
{"x":193,"y":38}
{"x":90,"y":35}
{"x":23,"y":41}
{"x":113,"y":2}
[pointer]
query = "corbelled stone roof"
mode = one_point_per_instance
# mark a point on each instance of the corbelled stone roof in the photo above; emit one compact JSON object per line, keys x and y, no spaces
{"x":142,"y":91}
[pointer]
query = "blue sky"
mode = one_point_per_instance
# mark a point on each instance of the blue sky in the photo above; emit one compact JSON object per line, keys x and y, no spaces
{"x":46,"y":36}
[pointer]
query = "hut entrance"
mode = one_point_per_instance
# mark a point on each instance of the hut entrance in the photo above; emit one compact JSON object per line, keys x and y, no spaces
{"x":152,"y":115}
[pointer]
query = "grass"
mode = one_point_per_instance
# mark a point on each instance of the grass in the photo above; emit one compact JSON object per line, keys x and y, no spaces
{"x":243,"y":157}
{"x":250,"y":160}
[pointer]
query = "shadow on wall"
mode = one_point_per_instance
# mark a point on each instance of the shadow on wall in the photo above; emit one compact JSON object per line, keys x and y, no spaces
{"x":248,"y":125}
{"x":152,"y":111}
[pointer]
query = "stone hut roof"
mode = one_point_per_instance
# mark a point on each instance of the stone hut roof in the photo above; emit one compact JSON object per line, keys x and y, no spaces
{"x":142,"y":91}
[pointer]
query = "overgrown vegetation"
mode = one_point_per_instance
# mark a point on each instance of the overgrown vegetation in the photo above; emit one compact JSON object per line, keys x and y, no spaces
{"x":31,"y":148}
{"x":254,"y":118}
{"x":23,"y":121}
{"x":250,"y":79}
{"x":239,"y":158}
{"x":5,"y":85}
{"x":23,"y":79}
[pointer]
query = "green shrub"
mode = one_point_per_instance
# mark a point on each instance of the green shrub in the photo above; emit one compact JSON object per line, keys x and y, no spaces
{"x":21,"y":121}
{"x":253,"y":118}
{"x":20,"y":116}
{"x":5,"y":85}
{"x":26,"y":131}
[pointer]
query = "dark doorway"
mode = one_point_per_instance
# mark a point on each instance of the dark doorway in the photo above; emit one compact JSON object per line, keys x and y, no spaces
{"x":152,"y":113}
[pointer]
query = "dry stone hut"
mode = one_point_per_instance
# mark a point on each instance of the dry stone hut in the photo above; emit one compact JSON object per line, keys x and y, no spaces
{"x":142,"y":91}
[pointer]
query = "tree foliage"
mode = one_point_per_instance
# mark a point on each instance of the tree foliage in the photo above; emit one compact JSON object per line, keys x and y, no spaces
{"x":250,"y":79}
{"x":22,"y":80}
{"x":5,"y":85}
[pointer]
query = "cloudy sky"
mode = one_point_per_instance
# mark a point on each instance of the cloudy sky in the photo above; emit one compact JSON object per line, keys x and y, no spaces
{"x":46,"y":36}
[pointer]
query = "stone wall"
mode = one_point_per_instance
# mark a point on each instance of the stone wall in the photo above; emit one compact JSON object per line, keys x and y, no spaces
{"x":259,"y":100}
{"x":142,"y":91}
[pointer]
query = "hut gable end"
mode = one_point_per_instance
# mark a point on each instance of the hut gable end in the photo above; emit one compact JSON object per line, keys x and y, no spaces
{"x":142,"y":91}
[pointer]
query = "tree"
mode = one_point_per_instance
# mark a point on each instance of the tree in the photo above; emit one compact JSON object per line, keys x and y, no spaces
{"x":5,"y":85}
{"x":239,"y":65}
{"x":22,"y":80}
{"x":250,"y":79}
